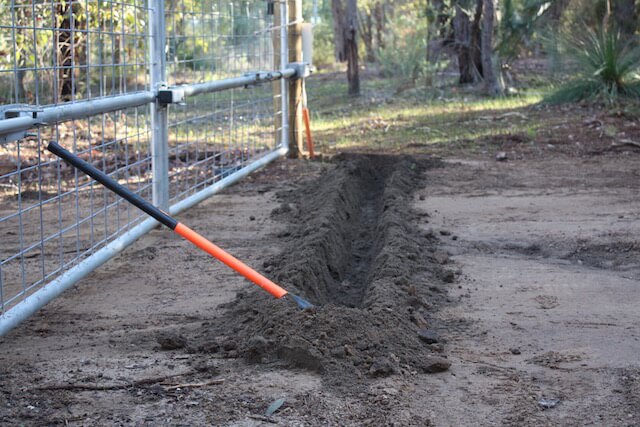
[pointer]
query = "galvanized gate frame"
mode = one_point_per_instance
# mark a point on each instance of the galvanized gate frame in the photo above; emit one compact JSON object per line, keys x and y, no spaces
{"x":16,"y":122}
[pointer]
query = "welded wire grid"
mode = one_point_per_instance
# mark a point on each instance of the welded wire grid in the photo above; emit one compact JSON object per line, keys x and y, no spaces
{"x":52,"y":216}
{"x":56,"y":52}
{"x":216,"y":134}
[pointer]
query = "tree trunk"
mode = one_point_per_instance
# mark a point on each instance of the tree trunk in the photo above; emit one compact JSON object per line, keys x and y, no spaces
{"x":492,"y":87}
{"x":381,"y":21}
{"x":436,"y":20}
{"x":351,"y":47}
{"x":626,"y":19}
{"x":64,"y":43}
{"x":366,"y":32}
{"x":467,"y":37}
{"x":69,"y":45}
{"x":339,"y":23}
{"x":462,"y":37}
{"x":345,"y":27}
{"x":21,"y":93}
{"x":476,"y":40}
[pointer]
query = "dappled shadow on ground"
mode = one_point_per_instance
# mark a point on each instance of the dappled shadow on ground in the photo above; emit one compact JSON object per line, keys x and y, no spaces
{"x":463,"y":122}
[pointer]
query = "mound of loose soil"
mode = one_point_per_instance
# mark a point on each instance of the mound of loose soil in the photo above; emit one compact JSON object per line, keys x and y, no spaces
{"x":352,"y":248}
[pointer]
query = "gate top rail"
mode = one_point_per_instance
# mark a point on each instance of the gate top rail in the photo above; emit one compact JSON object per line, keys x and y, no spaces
{"x":13,"y":128}
{"x":19,"y":119}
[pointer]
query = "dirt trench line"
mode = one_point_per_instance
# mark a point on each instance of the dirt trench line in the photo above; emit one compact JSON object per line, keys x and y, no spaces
{"x":363,"y":232}
{"x":351,"y":289}
{"x":352,"y":248}
{"x":346,"y":362}
{"x":518,"y":324}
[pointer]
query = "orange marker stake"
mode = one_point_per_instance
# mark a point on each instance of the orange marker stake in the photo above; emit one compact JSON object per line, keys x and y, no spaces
{"x":307,"y":126}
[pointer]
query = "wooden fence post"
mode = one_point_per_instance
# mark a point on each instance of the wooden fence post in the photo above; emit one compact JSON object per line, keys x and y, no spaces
{"x":295,"y":86}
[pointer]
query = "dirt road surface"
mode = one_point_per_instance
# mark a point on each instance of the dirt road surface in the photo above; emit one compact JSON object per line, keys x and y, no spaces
{"x":522,"y":276}
{"x":547,"y":306}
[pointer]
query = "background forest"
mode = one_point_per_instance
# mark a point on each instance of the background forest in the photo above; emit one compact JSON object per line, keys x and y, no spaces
{"x":587,"y":47}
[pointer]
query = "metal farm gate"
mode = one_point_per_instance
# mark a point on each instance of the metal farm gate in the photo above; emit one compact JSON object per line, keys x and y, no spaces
{"x":168,"y":97}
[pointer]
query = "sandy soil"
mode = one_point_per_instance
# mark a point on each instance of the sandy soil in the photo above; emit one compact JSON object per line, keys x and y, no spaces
{"x":547,"y":305}
{"x":543,"y":259}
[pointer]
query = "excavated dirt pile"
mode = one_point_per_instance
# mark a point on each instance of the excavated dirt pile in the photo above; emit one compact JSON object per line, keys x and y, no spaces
{"x":352,"y":248}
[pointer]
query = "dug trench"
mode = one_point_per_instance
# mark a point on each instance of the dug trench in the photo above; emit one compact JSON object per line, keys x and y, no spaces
{"x":351,"y":246}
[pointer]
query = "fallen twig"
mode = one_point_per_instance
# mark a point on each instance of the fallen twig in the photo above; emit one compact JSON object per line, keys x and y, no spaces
{"x":194,"y":385}
{"x":629,"y":142}
{"x":102,"y":387}
{"x":623,"y":143}
{"x":504,"y":116}
{"x":263,"y":418}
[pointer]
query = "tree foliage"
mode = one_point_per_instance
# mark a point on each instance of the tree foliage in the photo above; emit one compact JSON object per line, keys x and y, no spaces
{"x":403,"y":52}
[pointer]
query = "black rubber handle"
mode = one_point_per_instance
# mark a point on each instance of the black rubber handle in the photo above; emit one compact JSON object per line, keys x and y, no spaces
{"x":112,"y":185}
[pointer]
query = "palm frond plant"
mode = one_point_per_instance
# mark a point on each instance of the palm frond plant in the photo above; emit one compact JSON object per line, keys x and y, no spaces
{"x":607,"y":68}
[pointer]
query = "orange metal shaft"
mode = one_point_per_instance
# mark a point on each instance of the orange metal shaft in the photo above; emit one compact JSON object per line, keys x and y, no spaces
{"x":230,"y":260}
{"x":307,"y":126}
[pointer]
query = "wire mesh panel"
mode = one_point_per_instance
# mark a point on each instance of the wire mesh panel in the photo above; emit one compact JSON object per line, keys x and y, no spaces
{"x":53,"y":53}
{"x":215,"y":134}
{"x":60,"y":54}
{"x":57,"y":51}
{"x":51,"y":216}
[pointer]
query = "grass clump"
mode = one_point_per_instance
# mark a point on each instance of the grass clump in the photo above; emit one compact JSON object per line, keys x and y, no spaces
{"x":607,"y":69}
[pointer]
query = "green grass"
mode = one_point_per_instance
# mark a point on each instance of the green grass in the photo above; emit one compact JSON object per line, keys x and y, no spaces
{"x":383,"y":120}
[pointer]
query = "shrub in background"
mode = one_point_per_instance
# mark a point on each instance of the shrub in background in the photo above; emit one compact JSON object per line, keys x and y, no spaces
{"x":404,"y":55}
{"x":606,"y":69}
{"x":323,"y":52}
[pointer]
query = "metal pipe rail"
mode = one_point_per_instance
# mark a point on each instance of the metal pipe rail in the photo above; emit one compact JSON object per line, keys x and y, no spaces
{"x":235,"y":82}
{"x":72,"y":111}
{"x":81,"y":109}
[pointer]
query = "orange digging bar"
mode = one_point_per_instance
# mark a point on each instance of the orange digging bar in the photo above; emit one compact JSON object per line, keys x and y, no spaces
{"x":307,"y":126}
{"x":230,"y":260}
{"x":170,"y":222}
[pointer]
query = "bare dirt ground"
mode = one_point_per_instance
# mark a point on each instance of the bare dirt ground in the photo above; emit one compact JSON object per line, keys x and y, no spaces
{"x":547,"y":303}
{"x":523,"y":275}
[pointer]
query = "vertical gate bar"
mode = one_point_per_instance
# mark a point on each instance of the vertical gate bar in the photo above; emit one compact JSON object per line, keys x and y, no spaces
{"x":284,"y":60}
{"x":276,"y":65}
{"x":159,"y":116}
